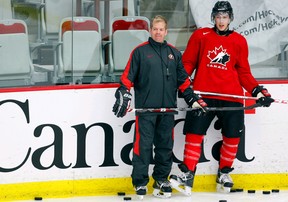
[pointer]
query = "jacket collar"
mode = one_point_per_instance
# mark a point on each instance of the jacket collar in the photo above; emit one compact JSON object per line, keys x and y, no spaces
{"x":157,"y":44}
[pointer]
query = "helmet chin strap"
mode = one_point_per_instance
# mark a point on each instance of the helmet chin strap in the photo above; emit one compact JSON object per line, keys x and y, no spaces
{"x":226,"y":32}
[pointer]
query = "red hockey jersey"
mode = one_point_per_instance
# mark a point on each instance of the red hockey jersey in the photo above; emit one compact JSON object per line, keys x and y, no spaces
{"x":220,"y":63}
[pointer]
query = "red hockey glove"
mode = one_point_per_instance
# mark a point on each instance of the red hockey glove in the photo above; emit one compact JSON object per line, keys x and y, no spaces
{"x":123,"y":99}
{"x":264,"y":97}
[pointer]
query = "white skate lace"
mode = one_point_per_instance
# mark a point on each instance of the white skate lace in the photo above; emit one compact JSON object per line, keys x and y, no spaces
{"x":141,"y":187}
{"x":185,"y":176}
{"x":165,"y":184}
{"x":225,"y":178}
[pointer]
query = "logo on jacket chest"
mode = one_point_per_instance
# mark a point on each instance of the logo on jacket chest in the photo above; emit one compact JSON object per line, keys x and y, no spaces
{"x":218,"y":58}
{"x":171,"y":57}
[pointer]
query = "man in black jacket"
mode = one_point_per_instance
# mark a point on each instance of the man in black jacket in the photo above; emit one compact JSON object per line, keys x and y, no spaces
{"x":156,"y":71}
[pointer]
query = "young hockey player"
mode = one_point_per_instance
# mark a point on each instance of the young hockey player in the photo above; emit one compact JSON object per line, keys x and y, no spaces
{"x":219,"y":57}
{"x":155,"y":69}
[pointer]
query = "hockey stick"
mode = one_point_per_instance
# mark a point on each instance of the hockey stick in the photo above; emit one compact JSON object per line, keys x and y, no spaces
{"x":163,"y":110}
{"x":238,"y":96}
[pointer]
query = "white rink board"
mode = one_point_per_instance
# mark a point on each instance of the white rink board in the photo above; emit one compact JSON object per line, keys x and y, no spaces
{"x":69,"y":110}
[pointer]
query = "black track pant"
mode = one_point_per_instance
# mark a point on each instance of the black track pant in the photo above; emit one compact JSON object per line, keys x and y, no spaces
{"x":152,"y":130}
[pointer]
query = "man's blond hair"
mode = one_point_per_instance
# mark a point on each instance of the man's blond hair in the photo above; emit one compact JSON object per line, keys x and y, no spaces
{"x":158,"y":18}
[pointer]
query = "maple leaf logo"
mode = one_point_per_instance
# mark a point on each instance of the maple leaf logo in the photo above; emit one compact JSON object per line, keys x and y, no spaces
{"x":219,"y":56}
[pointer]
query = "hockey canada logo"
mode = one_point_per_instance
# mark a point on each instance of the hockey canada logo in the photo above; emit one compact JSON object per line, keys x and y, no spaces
{"x":171,"y":57}
{"x":218,"y":58}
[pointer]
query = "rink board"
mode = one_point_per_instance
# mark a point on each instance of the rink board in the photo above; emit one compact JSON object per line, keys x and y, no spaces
{"x":65,"y":141}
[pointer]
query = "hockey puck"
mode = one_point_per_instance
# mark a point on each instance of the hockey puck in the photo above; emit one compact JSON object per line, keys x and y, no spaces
{"x":232,"y":190}
{"x":127,"y":198}
{"x":251,"y":191}
{"x":38,"y":198}
{"x":222,"y":200}
{"x":266,"y":192}
{"x":121,"y":194}
{"x":239,"y":190}
{"x":275,"y":190}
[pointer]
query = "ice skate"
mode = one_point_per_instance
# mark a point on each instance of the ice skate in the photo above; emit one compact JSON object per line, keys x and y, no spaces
{"x":162,"y":189}
{"x":141,"y":191}
{"x":184,"y":181}
{"x":224,"y":181}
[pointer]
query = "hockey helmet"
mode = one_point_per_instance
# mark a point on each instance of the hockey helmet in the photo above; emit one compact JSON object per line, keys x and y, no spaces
{"x":222,"y":7}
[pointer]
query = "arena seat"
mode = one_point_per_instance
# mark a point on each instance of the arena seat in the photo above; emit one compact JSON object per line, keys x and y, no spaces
{"x":51,"y":15}
{"x":16,"y":68}
{"x":115,"y":9}
{"x":126,"y":32}
{"x":5,"y":9}
{"x":80,"y":50}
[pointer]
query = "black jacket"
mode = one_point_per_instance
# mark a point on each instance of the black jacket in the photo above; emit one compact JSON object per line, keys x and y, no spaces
{"x":156,"y":71}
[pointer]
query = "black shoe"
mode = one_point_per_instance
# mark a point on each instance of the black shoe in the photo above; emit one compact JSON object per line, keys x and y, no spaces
{"x":162,"y":189}
{"x":141,"y":190}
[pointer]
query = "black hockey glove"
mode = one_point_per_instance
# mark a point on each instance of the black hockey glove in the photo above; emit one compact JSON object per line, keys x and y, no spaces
{"x":194,"y":101}
{"x":264,"y":98}
{"x":123,"y":99}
